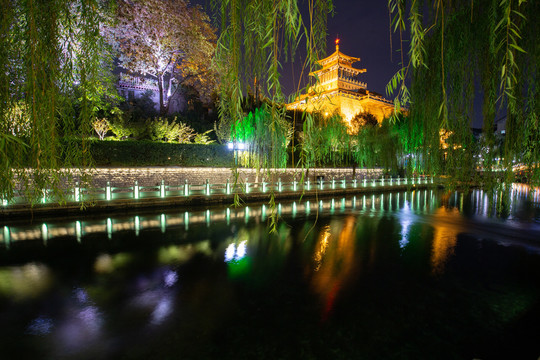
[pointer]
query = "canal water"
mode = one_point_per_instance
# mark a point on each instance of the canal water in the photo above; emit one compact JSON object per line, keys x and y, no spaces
{"x":406,"y":275}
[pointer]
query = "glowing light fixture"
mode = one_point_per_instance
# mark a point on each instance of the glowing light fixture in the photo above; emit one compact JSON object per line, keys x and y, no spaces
{"x":77,"y":192}
{"x":108,"y":191}
{"x":136,"y":189}
{"x":236,"y":146}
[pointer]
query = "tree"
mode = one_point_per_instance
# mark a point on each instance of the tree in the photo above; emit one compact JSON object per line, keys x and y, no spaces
{"x":457,"y":47}
{"x":101,"y":127}
{"x":360,"y":120}
{"x":167,"y":40}
{"x":54,"y":69}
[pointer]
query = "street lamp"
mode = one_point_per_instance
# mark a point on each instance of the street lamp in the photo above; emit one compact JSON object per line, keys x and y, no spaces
{"x":236,"y":146}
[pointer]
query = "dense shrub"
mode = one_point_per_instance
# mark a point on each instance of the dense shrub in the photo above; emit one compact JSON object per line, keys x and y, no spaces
{"x":147,"y":153}
{"x":169,"y":131}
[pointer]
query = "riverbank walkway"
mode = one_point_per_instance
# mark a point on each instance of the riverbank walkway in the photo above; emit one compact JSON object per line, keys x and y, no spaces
{"x":82,"y":201}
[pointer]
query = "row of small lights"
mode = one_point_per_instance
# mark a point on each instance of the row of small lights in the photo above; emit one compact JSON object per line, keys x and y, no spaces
{"x":207,"y":217}
{"x":247,"y":187}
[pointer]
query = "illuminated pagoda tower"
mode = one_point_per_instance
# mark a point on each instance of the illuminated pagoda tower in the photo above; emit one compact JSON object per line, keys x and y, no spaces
{"x":338,"y":90}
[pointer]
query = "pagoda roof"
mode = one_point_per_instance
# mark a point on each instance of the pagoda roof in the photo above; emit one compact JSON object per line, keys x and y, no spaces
{"x":336,"y":56}
{"x":341,"y":65}
{"x":340,"y":59}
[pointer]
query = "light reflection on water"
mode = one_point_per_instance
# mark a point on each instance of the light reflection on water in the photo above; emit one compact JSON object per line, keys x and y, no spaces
{"x":25,"y":282}
{"x":120,"y":294}
{"x":405,"y":219}
{"x":335,"y":259}
{"x":444,"y":238}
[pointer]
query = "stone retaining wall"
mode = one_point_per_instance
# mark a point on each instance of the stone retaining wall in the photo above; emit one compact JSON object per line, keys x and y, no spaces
{"x":150,"y":176}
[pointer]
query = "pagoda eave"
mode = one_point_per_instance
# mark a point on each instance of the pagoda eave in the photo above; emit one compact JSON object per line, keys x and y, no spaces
{"x":341,"y":66}
{"x":338,"y":55}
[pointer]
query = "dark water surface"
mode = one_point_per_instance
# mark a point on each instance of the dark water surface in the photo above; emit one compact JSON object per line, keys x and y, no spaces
{"x":409,"y":275}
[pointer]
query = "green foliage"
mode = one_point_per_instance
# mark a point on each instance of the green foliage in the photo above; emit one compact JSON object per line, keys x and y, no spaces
{"x":184,"y":133}
{"x":121,"y":128}
{"x":203,"y":138}
{"x":169,"y":131}
{"x":147,"y":153}
{"x":360,"y":120}
{"x":55,"y":66}
{"x":155,"y":129}
{"x":451,"y":48}
{"x":17,"y":120}
{"x":255,"y":37}
{"x":265,"y":136}
{"x":325,"y":140}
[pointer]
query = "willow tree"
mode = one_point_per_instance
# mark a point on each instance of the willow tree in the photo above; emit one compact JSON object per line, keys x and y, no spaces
{"x":168,"y":40}
{"x":462,"y":50}
{"x":256,"y":36}
{"x":53,"y":76}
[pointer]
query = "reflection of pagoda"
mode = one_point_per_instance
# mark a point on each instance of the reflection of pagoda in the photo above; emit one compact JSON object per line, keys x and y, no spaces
{"x":337,"y":90}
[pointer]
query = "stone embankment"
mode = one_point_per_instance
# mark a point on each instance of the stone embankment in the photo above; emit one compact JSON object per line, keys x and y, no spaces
{"x":159,"y":188}
{"x":173,"y":176}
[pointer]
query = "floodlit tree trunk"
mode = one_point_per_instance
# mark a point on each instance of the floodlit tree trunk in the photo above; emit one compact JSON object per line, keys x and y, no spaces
{"x":162,"y":109}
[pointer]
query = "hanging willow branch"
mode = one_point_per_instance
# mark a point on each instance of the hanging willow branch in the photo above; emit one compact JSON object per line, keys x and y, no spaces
{"x":256,"y":36}
{"x":54,"y":75}
{"x":452,"y":49}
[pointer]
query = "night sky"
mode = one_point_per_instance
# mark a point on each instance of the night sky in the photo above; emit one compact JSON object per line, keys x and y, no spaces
{"x":363,"y":29}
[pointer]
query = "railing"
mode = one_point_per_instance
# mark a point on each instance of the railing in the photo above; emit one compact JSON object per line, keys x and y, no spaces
{"x":187,"y":218}
{"x":135,"y":192}
{"x":380,"y":98}
{"x":353,"y":81}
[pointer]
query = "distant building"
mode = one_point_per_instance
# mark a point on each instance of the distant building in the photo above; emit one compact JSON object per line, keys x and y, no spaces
{"x":500,"y":126}
{"x":338,"y":90}
{"x":133,"y":87}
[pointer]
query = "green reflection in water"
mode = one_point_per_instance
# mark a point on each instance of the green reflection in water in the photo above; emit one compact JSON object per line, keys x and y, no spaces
{"x":239,"y":268}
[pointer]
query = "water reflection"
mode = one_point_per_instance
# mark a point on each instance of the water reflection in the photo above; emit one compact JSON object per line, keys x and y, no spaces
{"x":406,"y":219}
{"x":25,"y":282}
{"x":446,"y":225}
{"x":155,"y":295}
{"x":106,"y":263}
{"x":174,"y":271}
{"x":40,"y":326}
{"x":75,"y":327}
{"x":334,"y":261}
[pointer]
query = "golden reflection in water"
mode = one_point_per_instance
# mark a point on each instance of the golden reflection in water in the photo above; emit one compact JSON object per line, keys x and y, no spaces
{"x":334,"y":261}
{"x":447,"y":225}
{"x":321,"y":247}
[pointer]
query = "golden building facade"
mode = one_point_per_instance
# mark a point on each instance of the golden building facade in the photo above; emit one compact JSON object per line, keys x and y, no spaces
{"x":338,"y":91}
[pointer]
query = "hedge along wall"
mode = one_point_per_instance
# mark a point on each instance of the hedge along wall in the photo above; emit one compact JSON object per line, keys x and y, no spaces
{"x":146,"y":153}
{"x":150,"y":176}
